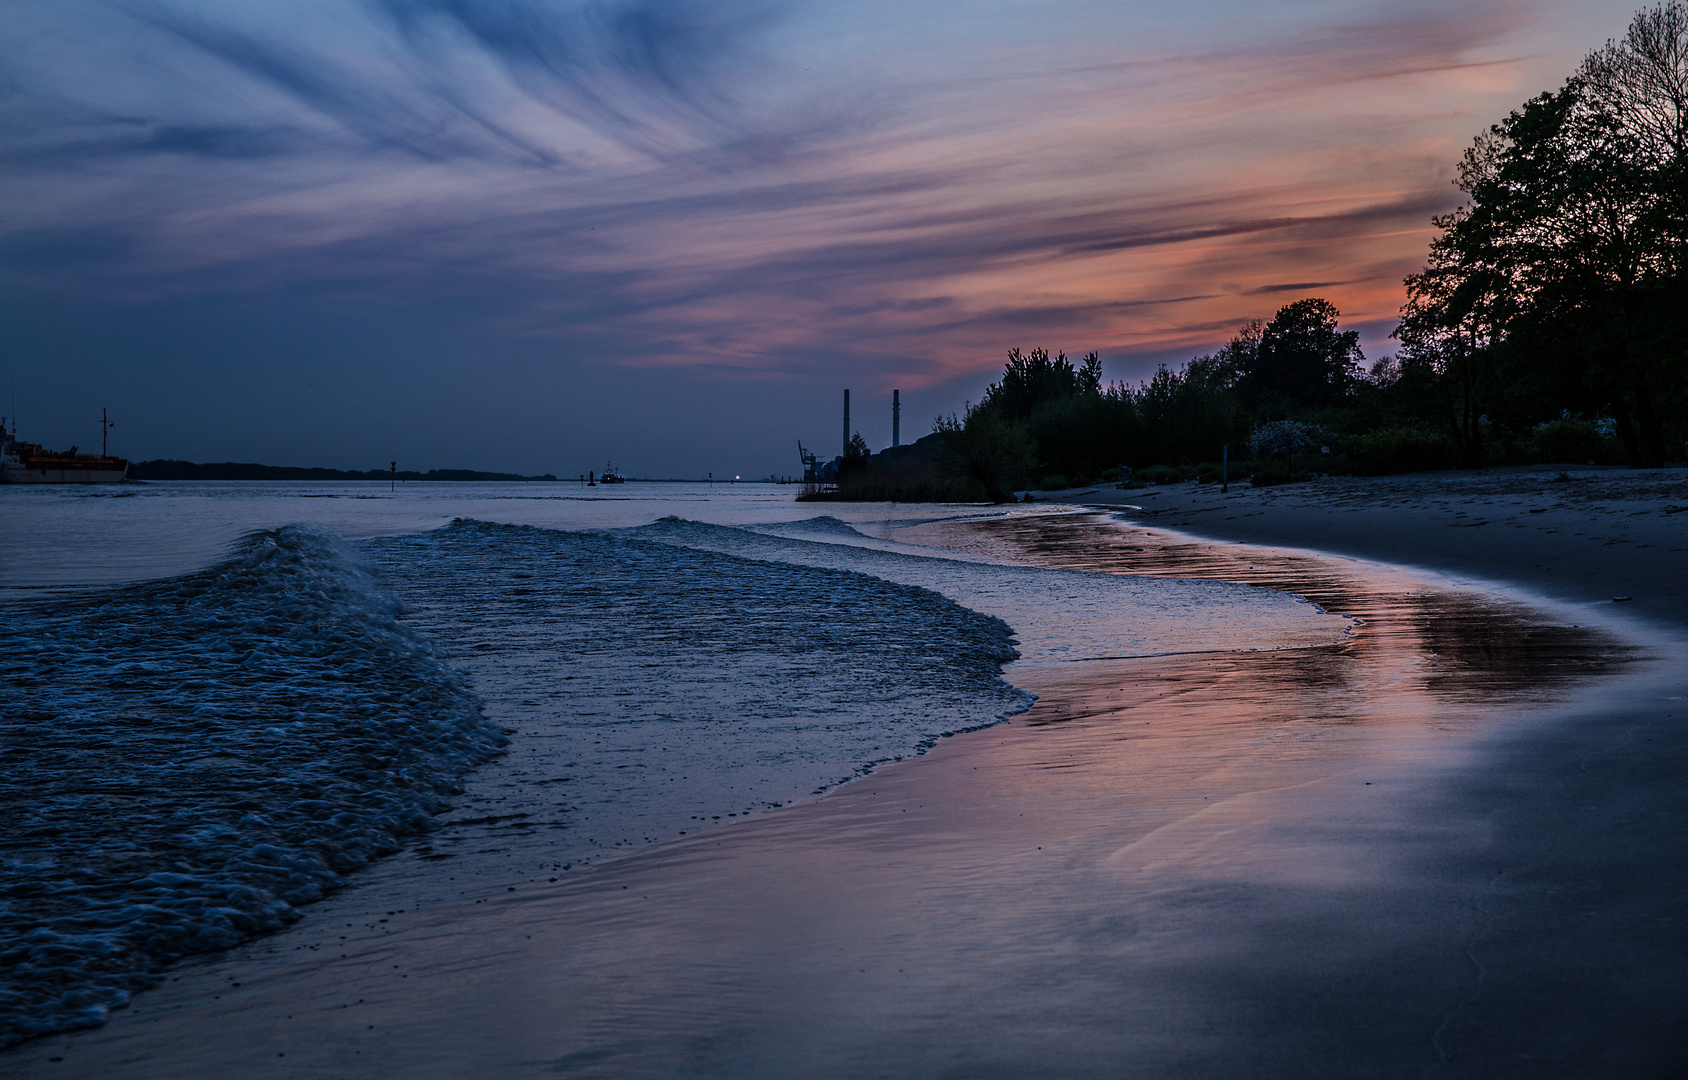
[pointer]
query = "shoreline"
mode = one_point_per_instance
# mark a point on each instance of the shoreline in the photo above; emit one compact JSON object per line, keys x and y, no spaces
{"x":1261,"y":873}
{"x":1562,"y":539}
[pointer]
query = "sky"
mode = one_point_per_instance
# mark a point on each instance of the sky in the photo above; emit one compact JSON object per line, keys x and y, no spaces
{"x":538,"y":235}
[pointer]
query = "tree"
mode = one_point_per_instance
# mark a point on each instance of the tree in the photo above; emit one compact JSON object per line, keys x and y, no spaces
{"x":1567,"y":263}
{"x":1239,"y":355}
{"x":1451,"y":325}
{"x":1301,"y":359}
{"x":855,"y":459}
{"x":985,"y":450}
{"x":1033,"y":378}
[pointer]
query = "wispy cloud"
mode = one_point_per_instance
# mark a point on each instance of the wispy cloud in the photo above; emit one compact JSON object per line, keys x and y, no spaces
{"x":748,"y":187}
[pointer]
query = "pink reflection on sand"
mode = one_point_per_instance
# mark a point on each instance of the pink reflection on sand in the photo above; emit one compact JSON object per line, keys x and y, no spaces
{"x":1186,"y":865}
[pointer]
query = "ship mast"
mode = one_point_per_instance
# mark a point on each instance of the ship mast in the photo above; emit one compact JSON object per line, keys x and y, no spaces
{"x":105,"y":428}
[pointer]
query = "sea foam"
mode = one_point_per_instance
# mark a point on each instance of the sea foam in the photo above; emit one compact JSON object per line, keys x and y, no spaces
{"x":188,"y":760}
{"x":658,"y":689}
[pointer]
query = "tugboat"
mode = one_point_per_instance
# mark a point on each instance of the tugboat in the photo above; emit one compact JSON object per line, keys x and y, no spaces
{"x":610,"y":475}
{"x":29,"y":463}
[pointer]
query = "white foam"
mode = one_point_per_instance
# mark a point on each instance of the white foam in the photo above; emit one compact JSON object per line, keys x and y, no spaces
{"x":189,"y":759}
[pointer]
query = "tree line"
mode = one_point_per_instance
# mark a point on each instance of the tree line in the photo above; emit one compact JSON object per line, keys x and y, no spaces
{"x":1549,"y":323}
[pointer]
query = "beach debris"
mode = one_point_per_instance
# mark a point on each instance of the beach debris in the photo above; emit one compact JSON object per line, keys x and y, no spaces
{"x":1619,"y":599}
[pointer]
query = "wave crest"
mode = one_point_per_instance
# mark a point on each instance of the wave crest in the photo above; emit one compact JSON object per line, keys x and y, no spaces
{"x":190,"y":759}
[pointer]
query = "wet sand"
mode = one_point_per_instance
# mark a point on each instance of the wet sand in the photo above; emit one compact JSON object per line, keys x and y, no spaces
{"x":1451,"y":846}
{"x":1599,"y":533}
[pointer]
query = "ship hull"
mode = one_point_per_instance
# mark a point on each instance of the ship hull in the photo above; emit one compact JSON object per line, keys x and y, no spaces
{"x":62,"y":474}
{"x":31,"y":463}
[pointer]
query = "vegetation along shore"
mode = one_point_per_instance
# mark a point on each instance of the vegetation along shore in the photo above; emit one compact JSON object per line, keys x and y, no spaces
{"x":1549,"y":325}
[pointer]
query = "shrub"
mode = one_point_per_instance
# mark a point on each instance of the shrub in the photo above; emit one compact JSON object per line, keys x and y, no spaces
{"x":983,"y":451}
{"x":1280,"y":438}
{"x":1269,"y":473}
{"x":1395,"y":450}
{"x":1576,"y":441}
{"x":1155,"y":474}
{"x":1054,"y":482}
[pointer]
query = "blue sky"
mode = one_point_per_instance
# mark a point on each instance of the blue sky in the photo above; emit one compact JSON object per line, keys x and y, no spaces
{"x":523,"y":234}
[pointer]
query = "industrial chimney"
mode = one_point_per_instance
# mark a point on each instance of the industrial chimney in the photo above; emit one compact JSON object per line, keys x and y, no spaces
{"x":896,"y":418}
{"x":846,"y":422}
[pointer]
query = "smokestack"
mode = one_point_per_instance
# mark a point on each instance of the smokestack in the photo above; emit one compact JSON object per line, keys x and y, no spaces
{"x":846,"y":420}
{"x":896,"y":418}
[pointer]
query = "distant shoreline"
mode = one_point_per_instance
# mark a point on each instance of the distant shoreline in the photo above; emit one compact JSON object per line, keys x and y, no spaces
{"x":233,"y":470}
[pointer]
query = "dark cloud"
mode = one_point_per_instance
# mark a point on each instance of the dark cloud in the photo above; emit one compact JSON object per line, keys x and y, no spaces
{"x":1294,"y":286}
{"x":217,"y":141}
{"x":603,"y":57}
{"x":28,"y":252}
{"x":115,"y":140}
{"x":380,"y":116}
{"x":772,"y":190}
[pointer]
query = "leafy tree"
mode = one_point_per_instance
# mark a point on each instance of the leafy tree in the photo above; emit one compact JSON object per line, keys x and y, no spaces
{"x":1033,"y":378}
{"x":1301,"y":359}
{"x":985,"y":450}
{"x":855,"y":459}
{"x":1451,"y":325}
{"x":1563,"y":276}
{"x":1226,"y":367}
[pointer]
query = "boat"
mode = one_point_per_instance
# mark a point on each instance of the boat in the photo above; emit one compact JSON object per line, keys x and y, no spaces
{"x":30,"y":463}
{"x":610,"y":475}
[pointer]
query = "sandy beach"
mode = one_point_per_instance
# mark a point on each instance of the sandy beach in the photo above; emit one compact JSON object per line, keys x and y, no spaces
{"x":1449,"y":846}
{"x":615,"y":539}
{"x":1595,"y":535}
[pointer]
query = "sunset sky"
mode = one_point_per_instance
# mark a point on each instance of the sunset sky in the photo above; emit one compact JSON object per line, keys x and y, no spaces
{"x":525,"y":234}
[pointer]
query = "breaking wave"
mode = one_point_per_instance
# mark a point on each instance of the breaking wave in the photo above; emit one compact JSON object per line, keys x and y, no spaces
{"x":658,"y":687}
{"x":188,"y":760}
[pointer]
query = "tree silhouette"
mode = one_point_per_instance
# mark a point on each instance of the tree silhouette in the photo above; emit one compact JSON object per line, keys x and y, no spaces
{"x":1030,"y":379}
{"x":1301,"y":358}
{"x":1563,"y":276}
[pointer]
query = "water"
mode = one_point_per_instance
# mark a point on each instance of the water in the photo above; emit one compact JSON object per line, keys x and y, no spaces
{"x":221,"y":700}
{"x":189,"y":760}
{"x":68,"y":537}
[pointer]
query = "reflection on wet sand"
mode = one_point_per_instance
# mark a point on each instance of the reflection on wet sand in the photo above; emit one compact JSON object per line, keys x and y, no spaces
{"x":1227,"y":865}
{"x":1454,"y":645}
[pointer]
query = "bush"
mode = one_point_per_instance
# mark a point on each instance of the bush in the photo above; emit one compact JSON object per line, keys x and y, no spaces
{"x":1396,"y":450}
{"x":1575,"y":441}
{"x":1270,"y":473}
{"x":1156,"y":474}
{"x":1054,"y":482}
{"x":1281,"y":438}
{"x":983,"y":451}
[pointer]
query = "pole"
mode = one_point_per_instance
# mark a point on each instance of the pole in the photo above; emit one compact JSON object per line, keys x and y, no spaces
{"x":392,"y":476}
{"x":896,"y":418}
{"x":846,"y":443}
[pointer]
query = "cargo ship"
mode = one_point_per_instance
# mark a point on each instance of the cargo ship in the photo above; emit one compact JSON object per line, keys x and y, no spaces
{"x":30,"y":463}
